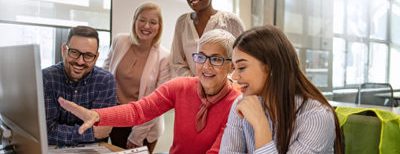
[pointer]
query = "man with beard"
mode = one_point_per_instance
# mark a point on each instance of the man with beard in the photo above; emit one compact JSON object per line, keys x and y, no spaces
{"x":77,"y":78}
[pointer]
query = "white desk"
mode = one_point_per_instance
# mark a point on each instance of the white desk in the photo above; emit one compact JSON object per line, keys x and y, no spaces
{"x":352,"y":104}
{"x":97,"y":148}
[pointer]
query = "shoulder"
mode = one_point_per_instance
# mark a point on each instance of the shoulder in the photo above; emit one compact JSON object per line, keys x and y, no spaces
{"x":186,"y":80}
{"x":162,"y":51}
{"x":182,"y":82}
{"x":183,"y":18}
{"x":53,"y":71}
{"x":228,"y":16}
{"x":101,"y":74}
{"x":229,"y":21}
{"x":50,"y":69}
{"x":237,"y":99}
{"x":313,"y":108}
{"x":121,"y":40}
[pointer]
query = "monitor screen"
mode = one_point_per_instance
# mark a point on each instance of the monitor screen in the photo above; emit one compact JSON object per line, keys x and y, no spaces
{"x":21,"y":98}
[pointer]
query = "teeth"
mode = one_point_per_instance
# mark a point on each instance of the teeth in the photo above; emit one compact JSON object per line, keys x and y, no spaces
{"x":244,"y":85}
{"x":77,"y":67}
{"x":194,"y":2}
{"x":208,"y":75}
{"x":145,"y":32}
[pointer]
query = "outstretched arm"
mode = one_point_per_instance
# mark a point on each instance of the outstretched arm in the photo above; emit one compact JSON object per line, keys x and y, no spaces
{"x":89,"y":117}
{"x":134,"y":113}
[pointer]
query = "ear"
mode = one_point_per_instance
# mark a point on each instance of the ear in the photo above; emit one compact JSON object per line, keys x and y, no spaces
{"x":63,"y":49}
{"x":97,"y":56}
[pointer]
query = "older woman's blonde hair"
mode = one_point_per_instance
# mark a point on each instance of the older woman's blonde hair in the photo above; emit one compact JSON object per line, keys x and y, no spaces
{"x":140,"y":9}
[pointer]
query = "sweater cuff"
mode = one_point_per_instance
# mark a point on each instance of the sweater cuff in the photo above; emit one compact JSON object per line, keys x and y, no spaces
{"x":102,"y":118}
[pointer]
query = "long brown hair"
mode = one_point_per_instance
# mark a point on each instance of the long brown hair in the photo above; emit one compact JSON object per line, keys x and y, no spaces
{"x":269,"y":45}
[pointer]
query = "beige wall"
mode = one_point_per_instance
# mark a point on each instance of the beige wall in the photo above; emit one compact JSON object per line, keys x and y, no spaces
{"x":123,"y":10}
{"x":245,"y":12}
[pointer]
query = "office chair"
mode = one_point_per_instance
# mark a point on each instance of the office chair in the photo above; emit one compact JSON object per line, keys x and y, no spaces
{"x":362,"y":134}
{"x":375,"y":94}
{"x":369,"y":130}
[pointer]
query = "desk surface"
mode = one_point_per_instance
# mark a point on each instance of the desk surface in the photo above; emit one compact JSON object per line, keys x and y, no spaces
{"x":113,"y":148}
{"x":118,"y":150}
{"x":87,"y":148}
{"x":351,"y":104}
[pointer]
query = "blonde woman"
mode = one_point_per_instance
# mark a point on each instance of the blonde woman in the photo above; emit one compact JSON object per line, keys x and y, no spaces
{"x":139,"y":64}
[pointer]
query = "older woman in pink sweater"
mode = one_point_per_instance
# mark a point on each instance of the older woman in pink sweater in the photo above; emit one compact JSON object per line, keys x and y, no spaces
{"x":201,"y":103}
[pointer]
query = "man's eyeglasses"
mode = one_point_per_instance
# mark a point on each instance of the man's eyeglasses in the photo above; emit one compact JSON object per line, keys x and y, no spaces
{"x":75,"y":53}
{"x":214,"y":60}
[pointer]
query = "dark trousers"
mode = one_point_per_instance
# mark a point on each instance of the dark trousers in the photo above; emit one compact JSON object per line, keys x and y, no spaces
{"x":119,"y":137}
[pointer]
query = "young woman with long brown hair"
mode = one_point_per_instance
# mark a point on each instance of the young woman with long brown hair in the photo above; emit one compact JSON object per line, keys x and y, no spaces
{"x":280,"y":110}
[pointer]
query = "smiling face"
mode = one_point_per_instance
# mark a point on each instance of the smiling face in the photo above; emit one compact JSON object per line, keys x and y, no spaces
{"x":212,"y":78}
{"x":198,"y":5}
{"x":77,"y":68}
{"x":147,"y":25}
{"x":249,"y":72}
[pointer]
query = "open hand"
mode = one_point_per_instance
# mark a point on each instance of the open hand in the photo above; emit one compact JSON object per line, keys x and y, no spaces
{"x":89,"y":117}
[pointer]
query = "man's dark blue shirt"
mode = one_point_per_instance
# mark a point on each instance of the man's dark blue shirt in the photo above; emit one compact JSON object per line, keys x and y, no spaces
{"x":96,"y":90}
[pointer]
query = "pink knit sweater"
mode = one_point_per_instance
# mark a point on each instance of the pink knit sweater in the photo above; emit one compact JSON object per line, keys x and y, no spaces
{"x":179,"y":94}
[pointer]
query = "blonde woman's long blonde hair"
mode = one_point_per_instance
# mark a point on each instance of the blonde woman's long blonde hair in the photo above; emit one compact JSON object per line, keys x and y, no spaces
{"x":140,"y":9}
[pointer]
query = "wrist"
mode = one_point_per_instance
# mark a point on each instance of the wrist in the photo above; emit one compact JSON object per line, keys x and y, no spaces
{"x":96,"y":117}
{"x":262,"y":133}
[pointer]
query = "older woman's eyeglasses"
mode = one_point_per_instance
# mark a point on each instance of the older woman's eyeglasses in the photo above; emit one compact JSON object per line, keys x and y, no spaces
{"x":75,"y":53}
{"x":214,"y":60}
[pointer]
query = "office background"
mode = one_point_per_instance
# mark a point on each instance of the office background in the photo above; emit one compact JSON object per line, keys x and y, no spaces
{"x":341,"y":43}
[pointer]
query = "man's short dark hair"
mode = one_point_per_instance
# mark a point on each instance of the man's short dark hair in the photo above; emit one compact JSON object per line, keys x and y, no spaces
{"x":84,"y":31}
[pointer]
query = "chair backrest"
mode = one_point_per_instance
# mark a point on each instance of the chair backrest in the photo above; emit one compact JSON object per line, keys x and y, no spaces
{"x":375,"y":94}
{"x":362,"y":134}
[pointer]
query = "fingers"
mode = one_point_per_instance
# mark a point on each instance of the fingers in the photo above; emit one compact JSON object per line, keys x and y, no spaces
{"x":247,"y":106}
{"x":64,"y":103}
{"x":79,"y":111}
{"x":84,"y":127}
{"x":89,"y":117}
{"x":68,"y":105}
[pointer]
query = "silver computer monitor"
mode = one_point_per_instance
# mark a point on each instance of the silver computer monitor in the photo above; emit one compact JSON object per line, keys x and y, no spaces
{"x":21,"y":98}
